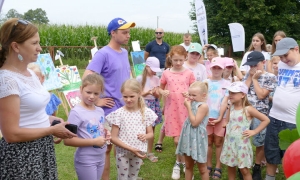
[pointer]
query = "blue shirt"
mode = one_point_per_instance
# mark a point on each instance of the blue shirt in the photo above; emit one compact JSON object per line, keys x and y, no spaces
{"x":159,"y":51}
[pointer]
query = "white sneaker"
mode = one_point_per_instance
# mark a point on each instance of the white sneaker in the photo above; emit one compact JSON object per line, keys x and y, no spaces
{"x":176,"y":173}
{"x":183,"y":165}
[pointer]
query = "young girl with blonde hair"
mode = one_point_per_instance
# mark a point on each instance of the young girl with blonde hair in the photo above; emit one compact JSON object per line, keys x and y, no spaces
{"x":237,"y":149}
{"x":193,"y":138}
{"x":91,"y":146}
{"x":131,"y":128}
{"x":150,"y":85}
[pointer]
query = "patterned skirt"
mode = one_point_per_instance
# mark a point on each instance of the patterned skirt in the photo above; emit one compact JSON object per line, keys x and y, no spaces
{"x":155,"y":106}
{"x":34,"y":160}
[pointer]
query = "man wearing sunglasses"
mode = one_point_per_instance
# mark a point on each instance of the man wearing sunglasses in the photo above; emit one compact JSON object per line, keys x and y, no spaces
{"x":158,"y":48}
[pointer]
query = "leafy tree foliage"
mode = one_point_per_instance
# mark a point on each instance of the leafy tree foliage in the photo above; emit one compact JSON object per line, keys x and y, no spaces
{"x":12,"y":13}
{"x":38,"y":16}
{"x":265,"y":16}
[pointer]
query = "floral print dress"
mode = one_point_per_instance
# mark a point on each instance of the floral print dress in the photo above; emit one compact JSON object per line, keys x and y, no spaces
{"x":237,"y":150}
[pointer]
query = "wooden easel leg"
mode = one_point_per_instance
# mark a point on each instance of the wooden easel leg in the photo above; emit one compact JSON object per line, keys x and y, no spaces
{"x":63,"y":102}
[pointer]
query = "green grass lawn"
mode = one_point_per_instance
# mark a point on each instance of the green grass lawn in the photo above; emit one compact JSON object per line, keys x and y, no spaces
{"x":160,"y":170}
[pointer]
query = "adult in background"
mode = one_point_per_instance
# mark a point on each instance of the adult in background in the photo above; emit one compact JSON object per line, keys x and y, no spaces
{"x":285,"y":102}
{"x":158,"y":48}
{"x":26,"y":149}
{"x":187,"y":39}
{"x":112,"y":63}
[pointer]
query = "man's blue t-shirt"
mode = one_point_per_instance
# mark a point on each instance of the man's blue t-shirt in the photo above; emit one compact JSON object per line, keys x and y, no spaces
{"x":158,"y":50}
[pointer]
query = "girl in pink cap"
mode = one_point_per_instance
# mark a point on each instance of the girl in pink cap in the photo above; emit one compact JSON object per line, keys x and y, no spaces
{"x":150,"y":84}
{"x":231,"y":72}
{"x":217,"y":101}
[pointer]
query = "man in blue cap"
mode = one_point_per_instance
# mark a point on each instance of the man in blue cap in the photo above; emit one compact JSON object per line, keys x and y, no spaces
{"x":112,"y":63}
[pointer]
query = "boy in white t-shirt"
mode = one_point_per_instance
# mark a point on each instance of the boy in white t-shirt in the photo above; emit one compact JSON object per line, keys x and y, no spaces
{"x":285,"y":102}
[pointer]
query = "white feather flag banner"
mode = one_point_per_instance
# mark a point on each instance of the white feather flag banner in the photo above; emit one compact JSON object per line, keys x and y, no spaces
{"x":237,"y":36}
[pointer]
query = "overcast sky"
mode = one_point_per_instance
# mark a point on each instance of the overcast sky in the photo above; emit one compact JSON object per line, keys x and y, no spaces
{"x":172,"y":14}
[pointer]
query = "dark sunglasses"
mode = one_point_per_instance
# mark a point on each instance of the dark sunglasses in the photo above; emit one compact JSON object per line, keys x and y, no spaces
{"x":20,"y":21}
{"x":158,"y":32}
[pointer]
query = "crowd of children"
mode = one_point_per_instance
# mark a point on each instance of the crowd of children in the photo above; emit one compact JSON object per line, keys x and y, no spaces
{"x":207,"y":105}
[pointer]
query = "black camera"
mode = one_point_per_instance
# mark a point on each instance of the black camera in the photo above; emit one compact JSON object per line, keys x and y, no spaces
{"x":71,"y":127}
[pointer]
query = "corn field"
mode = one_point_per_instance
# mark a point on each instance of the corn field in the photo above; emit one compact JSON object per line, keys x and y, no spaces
{"x":68,"y":35}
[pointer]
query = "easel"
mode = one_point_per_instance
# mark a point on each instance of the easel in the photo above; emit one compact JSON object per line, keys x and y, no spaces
{"x":64,"y":102}
{"x":60,"y":94}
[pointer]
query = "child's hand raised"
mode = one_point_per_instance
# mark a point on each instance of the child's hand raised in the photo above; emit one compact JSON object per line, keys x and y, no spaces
{"x":187,"y":102}
{"x":142,"y":137}
{"x":249,"y":133}
{"x":257,"y":74}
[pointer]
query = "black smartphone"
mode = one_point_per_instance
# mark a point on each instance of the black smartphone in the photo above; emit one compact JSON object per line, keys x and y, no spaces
{"x":71,"y":127}
{"x":54,"y":122}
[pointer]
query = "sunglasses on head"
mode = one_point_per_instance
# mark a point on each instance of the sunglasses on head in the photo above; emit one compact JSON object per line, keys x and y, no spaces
{"x":158,"y":32}
{"x":20,"y":21}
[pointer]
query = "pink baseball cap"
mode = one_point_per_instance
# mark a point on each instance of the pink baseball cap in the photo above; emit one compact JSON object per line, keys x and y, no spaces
{"x":228,"y":61}
{"x":153,"y":63}
{"x":217,"y":61}
{"x":238,"y":86}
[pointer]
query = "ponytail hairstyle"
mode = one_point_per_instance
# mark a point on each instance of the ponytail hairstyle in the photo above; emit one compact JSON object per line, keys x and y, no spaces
{"x":14,"y":30}
{"x":278,"y":33}
{"x":262,"y":39}
{"x":144,"y":77}
{"x":93,"y":79}
{"x":135,"y":86}
{"x":245,"y":103}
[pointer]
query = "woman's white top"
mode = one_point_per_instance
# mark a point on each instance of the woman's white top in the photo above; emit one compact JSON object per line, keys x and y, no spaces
{"x":33,"y":97}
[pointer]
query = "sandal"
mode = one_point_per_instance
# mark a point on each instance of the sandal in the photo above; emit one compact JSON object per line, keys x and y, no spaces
{"x":217,"y":175}
{"x":151,"y":157}
{"x":158,"y":147}
{"x":210,"y":171}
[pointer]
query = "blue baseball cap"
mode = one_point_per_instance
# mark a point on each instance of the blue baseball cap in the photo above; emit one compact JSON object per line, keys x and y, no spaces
{"x":119,"y":23}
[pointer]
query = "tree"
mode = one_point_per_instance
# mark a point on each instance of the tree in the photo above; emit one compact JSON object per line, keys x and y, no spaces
{"x":12,"y":13}
{"x":265,"y":16}
{"x":38,"y":16}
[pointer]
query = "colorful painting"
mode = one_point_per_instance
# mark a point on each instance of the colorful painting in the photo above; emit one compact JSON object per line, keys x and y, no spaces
{"x":47,"y":67}
{"x":72,"y":97}
{"x":138,"y":62}
{"x":69,"y":78}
